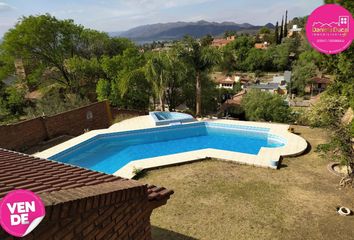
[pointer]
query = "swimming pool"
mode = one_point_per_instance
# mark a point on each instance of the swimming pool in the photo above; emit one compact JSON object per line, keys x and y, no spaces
{"x":112,"y":151}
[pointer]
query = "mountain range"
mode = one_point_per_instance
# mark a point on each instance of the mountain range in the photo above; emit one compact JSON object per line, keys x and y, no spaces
{"x":177,"y":30}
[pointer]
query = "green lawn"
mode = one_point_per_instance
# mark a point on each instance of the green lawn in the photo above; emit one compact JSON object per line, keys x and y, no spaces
{"x":221,"y":200}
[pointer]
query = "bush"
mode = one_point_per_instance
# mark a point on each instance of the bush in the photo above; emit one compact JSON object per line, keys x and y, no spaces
{"x":264,"y":106}
{"x":328,"y":111}
{"x":54,"y":103}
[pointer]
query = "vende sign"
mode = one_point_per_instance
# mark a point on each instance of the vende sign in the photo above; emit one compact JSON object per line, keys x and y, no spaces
{"x":20,"y":212}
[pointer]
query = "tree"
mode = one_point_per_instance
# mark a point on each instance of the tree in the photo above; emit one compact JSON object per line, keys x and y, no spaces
{"x":44,"y":39}
{"x":124,"y":75}
{"x":255,"y":60}
{"x":280,"y":57}
{"x":54,"y":103}
{"x":229,"y":34}
{"x":341,"y":65}
{"x":15,"y":100}
{"x":85,"y":73}
{"x":207,"y":40}
{"x":235,"y":53}
{"x":201,"y":60}
{"x":305,"y":68}
{"x":281,"y":30}
{"x":276,"y":33}
{"x":103,"y":89}
{"x":156,"y":71}
{"x":264,"y":106}
{"x":286,"y":25}
{"x":68,"y":53}
{"x":328,"y":113}
{"x":177,"y":75}
{"x":264,"y":30}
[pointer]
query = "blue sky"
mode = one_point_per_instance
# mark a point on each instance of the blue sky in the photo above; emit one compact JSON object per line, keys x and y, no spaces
{"x":118,"y":15}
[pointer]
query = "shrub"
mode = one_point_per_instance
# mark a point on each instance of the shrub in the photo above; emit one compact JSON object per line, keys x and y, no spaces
{"x":264,"y":106}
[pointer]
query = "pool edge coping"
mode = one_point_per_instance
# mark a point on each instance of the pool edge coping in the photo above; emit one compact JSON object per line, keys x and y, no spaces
{"x":295,"y":145}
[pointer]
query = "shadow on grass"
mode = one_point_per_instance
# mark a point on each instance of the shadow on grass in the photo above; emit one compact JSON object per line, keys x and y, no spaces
{"x":308,"y":149}
{"x":164,"y":234}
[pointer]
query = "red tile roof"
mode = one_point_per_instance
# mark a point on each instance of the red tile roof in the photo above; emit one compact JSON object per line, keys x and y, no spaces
{"x":21,"y":171}
{"x":236,"y":99}
{"x":221,"y":42}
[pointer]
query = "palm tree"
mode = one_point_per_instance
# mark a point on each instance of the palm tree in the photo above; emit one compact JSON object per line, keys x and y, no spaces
{"x":155,"y":73}
{"x":201,"y":59}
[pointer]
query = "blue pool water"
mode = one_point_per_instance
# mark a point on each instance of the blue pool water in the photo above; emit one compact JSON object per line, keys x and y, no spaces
{"x":109,"y":152}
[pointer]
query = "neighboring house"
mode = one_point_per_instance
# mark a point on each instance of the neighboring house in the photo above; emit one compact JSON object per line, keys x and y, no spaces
{"x":80,"y":203}
{"x":221,"y":42}
{"x":227,"y":83}
{"x":274,"y":88}
{"x":285,"y":79}
{"x":262,"y":46}
{"x":235,"y":101}
{"x":317,"y":85}
{"x":295,"y":29}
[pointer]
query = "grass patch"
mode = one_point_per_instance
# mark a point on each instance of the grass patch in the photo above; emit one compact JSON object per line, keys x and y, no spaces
{"x":222,"y":200}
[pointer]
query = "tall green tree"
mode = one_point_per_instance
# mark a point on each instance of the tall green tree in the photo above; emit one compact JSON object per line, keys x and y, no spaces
{"x":276,"y":33}
{"x":201,"y":60}
{"x":44,"y":39}
{"x":286,"y":25}
{"x":156,"y":73}
{"x":125,"y":83}
{"x":281,"y":35}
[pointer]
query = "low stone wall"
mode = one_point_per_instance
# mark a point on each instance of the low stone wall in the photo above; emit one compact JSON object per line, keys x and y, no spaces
{"x":23,"y":135}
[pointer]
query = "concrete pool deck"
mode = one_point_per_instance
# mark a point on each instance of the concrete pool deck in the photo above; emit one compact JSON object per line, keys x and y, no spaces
{"x":294,"y":145}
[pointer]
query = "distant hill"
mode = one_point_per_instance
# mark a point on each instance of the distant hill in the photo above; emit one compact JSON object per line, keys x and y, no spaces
{"x":177,"y":30}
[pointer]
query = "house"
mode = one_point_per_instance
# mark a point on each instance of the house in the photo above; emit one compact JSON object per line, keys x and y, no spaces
{"x":235,"y":101}
{"x":80,"y":203}
{"x":295,"y":29}
{"x":227,"y":83}
{"x":262,"y":46}
{"x":317,"y":85}
{"x":274,"y":88}
{"x":221,"y":42}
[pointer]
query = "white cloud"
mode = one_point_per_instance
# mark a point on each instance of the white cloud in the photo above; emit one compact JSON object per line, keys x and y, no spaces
{"x":4,"y":7}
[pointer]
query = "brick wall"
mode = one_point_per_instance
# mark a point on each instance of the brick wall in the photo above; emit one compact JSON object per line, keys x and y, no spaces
{"x":117,"y":215}
{"x":23,"y":135}
{"x":27,"y":133}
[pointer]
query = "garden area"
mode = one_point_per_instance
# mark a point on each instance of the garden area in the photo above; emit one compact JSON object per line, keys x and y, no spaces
{"x":222,"y":200}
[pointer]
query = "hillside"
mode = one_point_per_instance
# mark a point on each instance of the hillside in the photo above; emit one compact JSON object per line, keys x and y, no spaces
{"x":177,"y":30}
